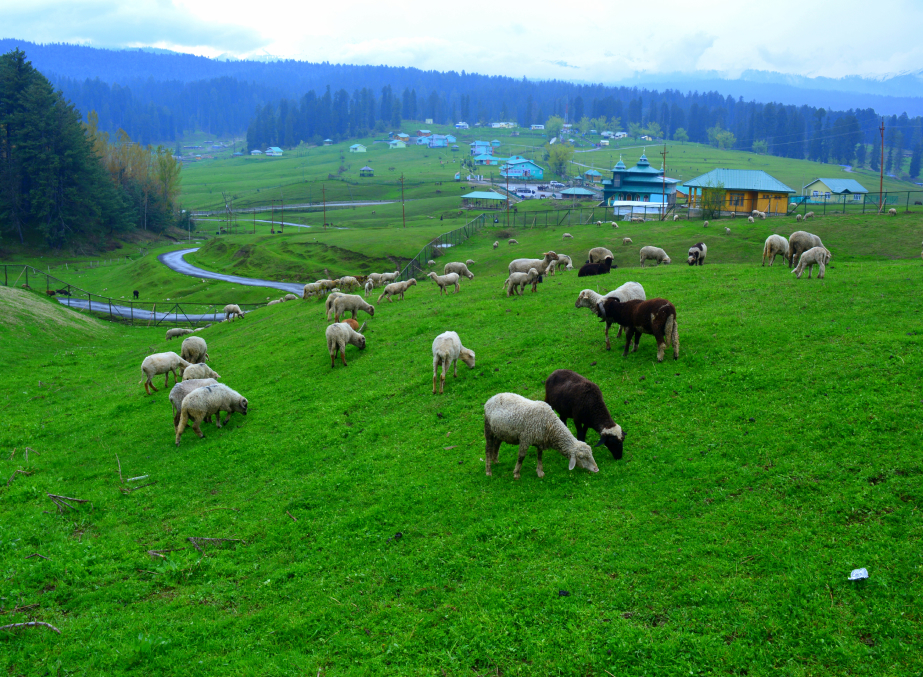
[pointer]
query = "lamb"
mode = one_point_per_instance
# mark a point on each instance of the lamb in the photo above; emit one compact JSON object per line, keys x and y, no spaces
{"x":512,"y":241}
{"x":819,"y":255}
{"x":369,"y":286}
{"x":458,"y":267}
{"x":161,"y":363}
{"x":656,"y":317}
{"x":676,"y":217}
{"x":749,"y":219}
{"x":447,"y":349}
{"x":387,"y":278}
{"x":626,"y":241}
{"x":179,"y":392}
{"x":799,"y":242}
{"x":520,"y":280}
{"x":431,"y":263}
{"x":809,"y":215}
{"x":599,"y":254}
{"x":706,"y":224}
{"x":496,"y":244}
{"x":200,"y":370}
{"x":627,"y":292}
{"x":374,"y":278}
{"x":654,"y":254}
{"x":274,"y":302}
{"x":563,"y":262}
{"x":541,"y":265}
{"x":443,"y":281}
{"x":892,"y":212}
{"x":576,"y":397}
{"x":353,"y":303}
{"x":397,"y":289}
{"x":232,"y":311}
{"x":210,"y":400}
{"x":328,"y":304}
{"x":798,"y":218}
{"x":774,"y":246}
{"x":470,"y":262}
{"x":727,"y":231}
{"x":567,"y":236}
{"x":590,"y":269}
{"x":697,"y":254}
{"x":338,"y":335}
{"x":513,"y":419}
{"x":173,"y":333}
{"x":615,"y":225}
{"x":289,"y":297}
{"x":194,"y":350}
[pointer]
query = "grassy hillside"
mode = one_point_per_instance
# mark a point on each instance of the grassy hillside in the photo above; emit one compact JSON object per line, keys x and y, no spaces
{"x":776,"y":455}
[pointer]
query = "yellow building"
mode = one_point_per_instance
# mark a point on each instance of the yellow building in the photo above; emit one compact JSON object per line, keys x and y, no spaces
{"x":744,"y":190}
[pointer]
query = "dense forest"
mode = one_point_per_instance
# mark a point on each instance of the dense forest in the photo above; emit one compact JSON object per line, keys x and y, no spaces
{"x":63,"y":180}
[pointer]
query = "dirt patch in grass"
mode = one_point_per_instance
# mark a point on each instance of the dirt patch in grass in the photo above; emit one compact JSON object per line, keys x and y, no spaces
{"x":19,"y":307}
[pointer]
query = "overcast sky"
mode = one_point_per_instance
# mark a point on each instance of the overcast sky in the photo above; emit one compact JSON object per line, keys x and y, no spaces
{"x":591,"y":41}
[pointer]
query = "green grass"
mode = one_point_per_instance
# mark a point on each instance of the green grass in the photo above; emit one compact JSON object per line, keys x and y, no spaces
{"x":780,"y":452}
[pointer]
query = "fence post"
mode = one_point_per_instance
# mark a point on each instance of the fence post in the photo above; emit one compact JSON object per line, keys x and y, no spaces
{"x":6,"y":279}
{"x":907,"y":208}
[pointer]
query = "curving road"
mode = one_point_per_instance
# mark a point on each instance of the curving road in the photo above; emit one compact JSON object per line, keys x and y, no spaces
{"x":176,"y":262}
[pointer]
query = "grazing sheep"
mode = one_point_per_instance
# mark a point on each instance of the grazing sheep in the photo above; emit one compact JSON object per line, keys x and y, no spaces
{"x":749,"y":219}
{"x":626,"y":241}
{"x":819,"y":255}
{"x":387,"y":278}
{"x":563,"y":263}
{"x":458,"y":267}
{"x":727,"y":231}
{"x":774,"y":246}
{"x":447,"y":349}
{"x":353,"y":303}
{"x":161,"y":363}
{"x":706,"y":224}
{"x":431,"y":263}
{"x":541,"y":265}
{"x":173,"y":333}
{"x":135,"y":292}
{"x":576,"y":397}
{"x":369,"y":286}
{"x":348,"y":283}
{"x":654,"y":254}
{"x":697,"y":254}
{"x":615,"y":225}
{"x":892,"y":212}
{"x":590,"y":269}
{"x":517,"y":282}
{"x":627,"y":292}
{"x":232,"y":311}
{"x":443,"y":281}
{"x":798,"y":218}
{"x":207,"y":401}
{"x":194,"y":350}
{"x":676,"y":217}
{"x":289,"y":297}
{"x":200,"y":370}
{"x":513,"y":419}
{"x":328,"y":304}
{"x":179,"y":392}
{"x":397,"y":289}
{"x":496,"y":244}
{"x":763,"y":215}
{"x":567,"y":236}
{"x":374,"y":278}
{"x":470,"y":262}
{"x":512,"y":241}
{"x":755,"y":212}
{"x":637,"y":219}
{"x":799,"y":242}
{"x":599,"y":254}
{"x":809,"y":215}
{"x":338,"y":335}
{"x":792,"y":206}
{"x":656,"y":317}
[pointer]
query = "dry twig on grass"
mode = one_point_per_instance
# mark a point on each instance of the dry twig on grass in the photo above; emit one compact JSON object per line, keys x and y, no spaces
{"x":63,"y":505}
{"x":16,"y":472}
{"x":18,"y":609}
{"x":291,"y":515}
{"x":195,"y":540}
{"x":27,"y":450}
{"x":128,"y":490}
{"x":120,"y":467}
{"x":12,"y":454}
{"x":159,"y":553}
{"x":35,"y":554}
{"x":30,"y":624}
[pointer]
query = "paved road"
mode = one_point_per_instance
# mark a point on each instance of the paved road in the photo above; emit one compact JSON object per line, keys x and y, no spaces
{"x":175,"y":262}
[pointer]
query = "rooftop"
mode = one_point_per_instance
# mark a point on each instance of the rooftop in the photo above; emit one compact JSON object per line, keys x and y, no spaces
{"x":483,"y":195}
{"x":842,"y":185}
{"x":739,"y":179}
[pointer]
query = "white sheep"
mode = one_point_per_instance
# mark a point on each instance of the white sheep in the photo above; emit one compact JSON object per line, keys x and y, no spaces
{"x":274,"y":302}
{"x":209,"y":401}
{"x":179,"y":392}
{"x":541,"y":265}
{"x":178,"y":331}
{"x":512,"y":241}
{"x":194,"y":350}
{"x":809,"y":215}
{"x":626,"y":240}
{"x":328,"y":304}
{"x":496,"y":244}
{"x":654,"y":254}
{"x":289,"y":297}
{"x":626,"y":292}
{"x":447,"y":349}
{"x":517,"y":282}
{"x":755,"y":212}
{"x":799,"y":242}
{"x":338,"y":335}
{"x":161,"y":363}
{"x":676,"y":217}
{"x":792,"y":206}
{"x":706,"y":224}
{"x":819,"y":255}
{"x":727,"y":231}
{"x":798,"y":217}
{"x":348,"y":283}
{"x":763,"y":215}
{"x":470,"y":262}
{"x":374,"y":278}
{"x":513,"y":419}
{"x":458,"y":267}
{"x":443,"y":281}
{"x":431,"y":263}
{"x":749,"y":219}
{"x":200,"y":370}
{"x":232,"y":311}
{"x":567,"y":236}
{"x":369,"y":286}
{"x":352,"y":303}
{"x":614,"y":224}
{"x":891,"y":212}
{"x":563,"y":263}
{"x":312,"y":289}
{"x":773,"y":247}
{"x":397,"y":289}
{"x":387,"y":278}
{"x":599,"y":254}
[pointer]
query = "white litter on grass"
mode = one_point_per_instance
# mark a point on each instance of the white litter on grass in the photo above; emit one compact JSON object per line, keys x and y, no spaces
{"x":858,"y":574}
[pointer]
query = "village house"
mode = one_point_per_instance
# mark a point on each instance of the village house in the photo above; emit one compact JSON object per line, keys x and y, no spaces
{"x":357,"y":148}
{"x":403,"y":137}
{"x":834,"y":190}
{"x":522,"y":169}
{"x":640,"y":189}
{"x":396,"y":143}
{"x":274,"y":151}
{"x":461,"y":125}
{"x":481,"y":148}
{"x":486,"y":159}
{"x":424,"y":132}
{"x":744,"y":190}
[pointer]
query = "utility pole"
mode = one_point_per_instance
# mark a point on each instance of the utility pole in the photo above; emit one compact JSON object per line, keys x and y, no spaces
{"x":881,"y":167}
{"x":403,"y":212}
{"x":507,"y":199}
{"x":283,"y":216}
{"x":323,"y":192}
{"x":663,"y":197}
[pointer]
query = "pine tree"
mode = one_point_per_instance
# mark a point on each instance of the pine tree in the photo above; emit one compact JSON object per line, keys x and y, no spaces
{"x":915,"y":161}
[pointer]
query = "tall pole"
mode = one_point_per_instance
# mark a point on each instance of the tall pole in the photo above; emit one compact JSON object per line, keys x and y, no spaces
{"x":323,"y":192}
{"x":881,"y":166}
{"x":283,"y":216}
{"x":663,"y":196}
{"x":403,"y":212}
{"x":507,"y":199}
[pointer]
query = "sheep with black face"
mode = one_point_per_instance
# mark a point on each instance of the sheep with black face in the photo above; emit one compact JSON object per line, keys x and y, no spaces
{"x":573,"y":396}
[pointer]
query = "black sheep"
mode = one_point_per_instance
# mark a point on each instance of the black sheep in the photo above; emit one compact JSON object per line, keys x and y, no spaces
{"x":589,"y":269}
{"x":654,"y":316}
{"x":573,"y":396}
{"x":135,"y":292}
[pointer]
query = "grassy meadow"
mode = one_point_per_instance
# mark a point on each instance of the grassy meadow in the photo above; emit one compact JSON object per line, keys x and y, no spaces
{"x":781,"y":451}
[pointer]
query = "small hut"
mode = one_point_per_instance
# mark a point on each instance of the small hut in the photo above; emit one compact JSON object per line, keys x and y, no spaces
{"x":578,"y":194}
{"x":366,"y":172}
{"x":483,"y":199}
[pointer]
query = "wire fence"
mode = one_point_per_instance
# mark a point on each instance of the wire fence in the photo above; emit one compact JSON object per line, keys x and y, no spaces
{"x":131,"y":312}
{"x":417,"y":266}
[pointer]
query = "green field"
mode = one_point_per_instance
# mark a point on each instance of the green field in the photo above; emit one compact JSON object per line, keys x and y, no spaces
{"x":779,"y":452}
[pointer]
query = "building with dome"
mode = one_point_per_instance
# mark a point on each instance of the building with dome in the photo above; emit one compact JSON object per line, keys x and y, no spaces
{"x":640,"y":189}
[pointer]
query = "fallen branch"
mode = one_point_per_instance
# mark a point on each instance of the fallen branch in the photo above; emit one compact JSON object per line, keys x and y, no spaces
{"x":16,"y":472}
{"x":19,"y":609}
{"x":35,"y":554}
{"x":159,"y":553}
{"x":196,"y":539}
{"x":63,"y":505}
{"x":27,"y":450}
{"x":30,"y":624}
{"x":128,"y":490}
{"x":120,"y":467}
{"x":14,"y":449}
{"x":135,"y":479}
{"x":291,"y":515}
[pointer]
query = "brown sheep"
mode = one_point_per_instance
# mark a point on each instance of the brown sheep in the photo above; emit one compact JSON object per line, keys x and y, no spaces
{"x":654,"y":316}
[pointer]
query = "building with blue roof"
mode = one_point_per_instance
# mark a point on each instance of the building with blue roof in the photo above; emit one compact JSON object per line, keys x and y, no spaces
{"x":834,"y":190}
{"x":522,"y":168}
{"x":641,"y":188}
{"x":744,"y":190}
{"x":485,"y":159}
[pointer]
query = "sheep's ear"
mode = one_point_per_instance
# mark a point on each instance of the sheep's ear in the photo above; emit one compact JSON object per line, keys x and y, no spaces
{"x":573,"y":463}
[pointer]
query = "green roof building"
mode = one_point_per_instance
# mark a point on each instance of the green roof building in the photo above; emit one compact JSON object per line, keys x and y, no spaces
{"x":744,"y":190}
{"x":640,"y":189}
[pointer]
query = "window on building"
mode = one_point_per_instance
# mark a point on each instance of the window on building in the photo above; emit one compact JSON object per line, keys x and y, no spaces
{"x":616,"y":181}
{"x":826,"y":196}
{"x":737,"y":199}
{"x":857,"y":197}
{"x":814,"y":193}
